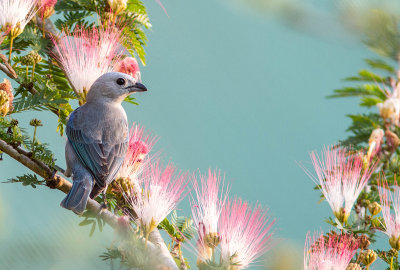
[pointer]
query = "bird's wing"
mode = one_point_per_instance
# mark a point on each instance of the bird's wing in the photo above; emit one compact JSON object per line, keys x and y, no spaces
{"x":103,"y":160}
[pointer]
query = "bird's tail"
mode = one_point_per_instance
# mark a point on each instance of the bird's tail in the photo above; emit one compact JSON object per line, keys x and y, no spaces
{"x":77,"y":197}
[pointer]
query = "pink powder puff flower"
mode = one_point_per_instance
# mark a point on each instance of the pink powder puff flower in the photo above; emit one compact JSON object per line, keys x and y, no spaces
{"x":47,"y":8}
{"x":15,"y":14}
{"x":110,"y":40}
{"x":392,"y":221}
{"x":129,"y":66}
{"x":245,"y":233}
{"x":342,"y":175}
{"x":85,"y":55}
{"x":332,"y":253}
{"x":206,"y":211}
{"x":140,"y":144}
{"x":162,"y":189}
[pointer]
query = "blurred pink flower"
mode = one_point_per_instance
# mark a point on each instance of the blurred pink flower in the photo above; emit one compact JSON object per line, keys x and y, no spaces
{"x":392,"y":221}
{"x":140,"y":144}
{"x":342,"y":175}
{"x":15,"y":14}
{"x":245,"y":233}
{"x":162,"y":189}
{"x":129,"y":66}
{"x":332,"y":253}
{"x":86,"y":54}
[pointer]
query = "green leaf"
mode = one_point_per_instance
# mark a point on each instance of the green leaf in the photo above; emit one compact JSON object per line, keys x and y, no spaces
{"x":131,"y":100}
{"x":92,"y":229}
{"x":370,"y":101}
{"x":380,"y":64}
{"x":86,"y":222}
{"x":168,"y":227}
{"x":100,"y":224}
{"x":361,"y":128}
{"x":367,"y":76}
{"x":367,"y":90}
{"x":27,"y":180}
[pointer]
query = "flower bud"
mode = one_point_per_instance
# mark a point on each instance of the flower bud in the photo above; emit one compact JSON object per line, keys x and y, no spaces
{"x":363,"y":241}
{"x":129,"y":66}
{"x":6,"y":97}
{"x":394,"y":242}
{"x":35,"y":122}
{"x":123,"y":185}
{"x":34,"y":57}
{"x":390,"y":110}
{"x":353,"y":266}
{"x":342,"y":216}
{"x":117,"y":6}
{"x":367,"y":257}
{"x":392,"y":140}
{"x":375,"y":142}
{"x":16,"y":30}
{"x":212,"y":240}
{"x":374,"y":208}
{"x":393,"y":253}
{"x":14,"y":123}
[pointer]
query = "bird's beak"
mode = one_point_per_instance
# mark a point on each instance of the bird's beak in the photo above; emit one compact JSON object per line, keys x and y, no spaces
{"x":137,"y":87}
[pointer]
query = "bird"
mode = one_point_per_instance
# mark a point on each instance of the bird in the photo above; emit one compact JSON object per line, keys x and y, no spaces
{"x":98,"y":136}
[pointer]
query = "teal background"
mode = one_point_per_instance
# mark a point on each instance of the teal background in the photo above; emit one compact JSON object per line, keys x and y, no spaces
{"x":228,"y":89}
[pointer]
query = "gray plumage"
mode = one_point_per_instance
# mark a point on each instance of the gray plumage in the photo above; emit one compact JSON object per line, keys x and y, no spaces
{"x":97,"y":138}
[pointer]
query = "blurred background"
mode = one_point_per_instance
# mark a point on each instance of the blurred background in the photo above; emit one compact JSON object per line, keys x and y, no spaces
{"x":238,"y":85}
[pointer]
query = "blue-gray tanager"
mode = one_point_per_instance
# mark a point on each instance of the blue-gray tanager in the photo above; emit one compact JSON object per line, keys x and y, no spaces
{"x":97,"y":138}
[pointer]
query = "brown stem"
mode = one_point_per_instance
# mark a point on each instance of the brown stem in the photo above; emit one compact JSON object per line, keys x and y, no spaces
{"x":7,"y":68}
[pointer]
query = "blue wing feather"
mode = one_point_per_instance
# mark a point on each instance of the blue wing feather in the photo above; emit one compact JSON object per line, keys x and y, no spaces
{"x":102,"y":160}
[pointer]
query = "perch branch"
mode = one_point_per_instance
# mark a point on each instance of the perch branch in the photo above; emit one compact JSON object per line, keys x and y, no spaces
{"x":156,"y":247}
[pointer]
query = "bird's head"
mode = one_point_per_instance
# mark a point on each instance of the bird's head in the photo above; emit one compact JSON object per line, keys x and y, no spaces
{"x":114,"y":86}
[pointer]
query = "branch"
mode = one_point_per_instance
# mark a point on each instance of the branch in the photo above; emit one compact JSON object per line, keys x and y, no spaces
{"x":156,"y":247}
{"x":163,"y":253}
{"x":6,"y":68}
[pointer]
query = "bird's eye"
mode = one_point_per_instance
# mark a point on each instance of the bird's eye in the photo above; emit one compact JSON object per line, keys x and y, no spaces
{"x":120,"y":81}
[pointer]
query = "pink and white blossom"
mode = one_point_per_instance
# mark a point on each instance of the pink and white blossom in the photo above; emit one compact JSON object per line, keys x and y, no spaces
{"x":15,"y":14}
{"x":245,"y":233}
{"x":206,"y":210}
{"x":332,"y":253}
{"x":162,"y":189}
{"x":86,"y":54}
{"x":342,"y":175}
{"x":140,"y":144}
{"x":392,"y":219}
{"x":207,"y":206}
